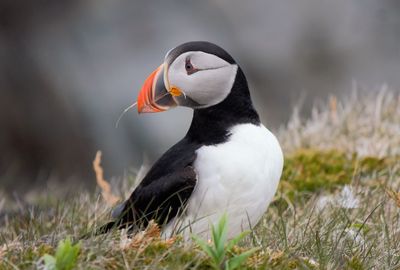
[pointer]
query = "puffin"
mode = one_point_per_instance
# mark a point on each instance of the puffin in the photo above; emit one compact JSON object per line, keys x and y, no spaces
{"x":228,"y":163}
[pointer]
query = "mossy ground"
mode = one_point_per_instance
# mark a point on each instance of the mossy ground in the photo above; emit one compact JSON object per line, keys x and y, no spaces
{"x":335,"y":209}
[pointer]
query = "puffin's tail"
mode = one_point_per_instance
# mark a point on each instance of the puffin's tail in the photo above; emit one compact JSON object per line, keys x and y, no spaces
{"x":106,"y":228}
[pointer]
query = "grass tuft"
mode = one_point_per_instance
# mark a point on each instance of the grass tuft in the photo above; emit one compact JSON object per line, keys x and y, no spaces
{"x":223,"y":253}
{"x":65,"y":258}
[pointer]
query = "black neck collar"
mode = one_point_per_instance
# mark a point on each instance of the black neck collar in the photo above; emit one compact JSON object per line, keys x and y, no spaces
{"x":211,"y":125}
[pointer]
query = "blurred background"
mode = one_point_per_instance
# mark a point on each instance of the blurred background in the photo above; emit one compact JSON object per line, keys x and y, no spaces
{"x":68,"y":69}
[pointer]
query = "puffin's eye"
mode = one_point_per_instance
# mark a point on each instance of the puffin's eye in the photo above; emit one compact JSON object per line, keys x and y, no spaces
{"x":189,"y":67}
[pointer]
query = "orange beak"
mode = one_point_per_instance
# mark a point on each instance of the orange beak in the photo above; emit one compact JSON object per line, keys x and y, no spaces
{"x":154,"y":96}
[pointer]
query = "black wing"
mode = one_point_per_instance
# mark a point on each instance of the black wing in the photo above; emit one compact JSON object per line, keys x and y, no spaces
{"x":163,"y":192}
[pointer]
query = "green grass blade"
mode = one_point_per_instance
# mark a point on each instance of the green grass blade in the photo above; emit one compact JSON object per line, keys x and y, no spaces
{"x":221,"y":235}
{"x":236,"y":240}
{"x":206,"y":248}
{"x":237,"y":260}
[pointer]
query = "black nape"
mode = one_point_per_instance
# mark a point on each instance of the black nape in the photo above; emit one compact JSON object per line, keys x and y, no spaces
{"x":211,"y":125}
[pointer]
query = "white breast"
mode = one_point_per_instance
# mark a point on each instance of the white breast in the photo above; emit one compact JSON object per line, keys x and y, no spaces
{"x":238,"y":177}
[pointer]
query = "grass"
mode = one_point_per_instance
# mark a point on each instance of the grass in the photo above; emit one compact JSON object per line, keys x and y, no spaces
{"x":220,"y":247}
{"x":338,"y":206}
{"x":65,"y":258}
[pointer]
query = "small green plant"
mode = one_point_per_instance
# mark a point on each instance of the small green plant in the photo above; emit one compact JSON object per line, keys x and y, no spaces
{"x":220,"y":248}
{"x":65,"y":257}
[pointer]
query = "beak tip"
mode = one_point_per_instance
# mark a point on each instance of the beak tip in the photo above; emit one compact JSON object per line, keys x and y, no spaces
{"x":147,"y":109}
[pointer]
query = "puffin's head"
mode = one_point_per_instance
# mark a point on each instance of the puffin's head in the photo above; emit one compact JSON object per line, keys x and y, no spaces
{"x":195,"y":74}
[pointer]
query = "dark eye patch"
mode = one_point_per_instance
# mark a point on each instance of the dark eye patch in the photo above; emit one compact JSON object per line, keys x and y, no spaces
{"x":190,"y":69}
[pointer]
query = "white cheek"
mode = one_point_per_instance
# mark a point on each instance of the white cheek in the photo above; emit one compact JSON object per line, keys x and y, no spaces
{"x":211,"y":87}
{"x":206,"y":87}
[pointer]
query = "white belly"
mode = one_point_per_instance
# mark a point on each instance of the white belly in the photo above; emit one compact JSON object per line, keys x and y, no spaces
{"x":238,"y":177}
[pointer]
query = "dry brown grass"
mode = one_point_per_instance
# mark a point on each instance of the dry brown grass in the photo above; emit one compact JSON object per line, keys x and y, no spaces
{"x":105,"y":187}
